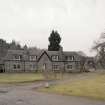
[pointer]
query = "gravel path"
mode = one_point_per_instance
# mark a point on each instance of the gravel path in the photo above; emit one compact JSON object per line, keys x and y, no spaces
{"x":24,"y":95}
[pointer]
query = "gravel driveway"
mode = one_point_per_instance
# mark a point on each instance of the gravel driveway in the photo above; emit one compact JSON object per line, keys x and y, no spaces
{"x":24,"y":95}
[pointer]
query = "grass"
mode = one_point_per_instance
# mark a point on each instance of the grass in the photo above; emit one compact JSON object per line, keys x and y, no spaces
{"x":20,"y":77}
{"x":23,"y":77}
{"x":92,"y":87}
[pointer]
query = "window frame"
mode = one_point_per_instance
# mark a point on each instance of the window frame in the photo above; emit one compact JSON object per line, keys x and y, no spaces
{"x":32,"y":66}
{"x":69,"y":67}
{"x":16,"y":66}
{"x":17,"y":57}
{"x":55,"y":67}
{"x":55,"y":57}
{"x":33,"y":57}
{"x":70,"y":58}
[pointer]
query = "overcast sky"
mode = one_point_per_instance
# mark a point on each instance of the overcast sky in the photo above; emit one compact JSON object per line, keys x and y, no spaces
{"x":79,"y":22}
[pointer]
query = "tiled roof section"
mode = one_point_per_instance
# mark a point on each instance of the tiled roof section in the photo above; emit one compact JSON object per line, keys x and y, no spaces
{"x":50,"y":54}
{"x":43,"y":52}
{"x":34,"y":52}
{"x":67,"y":53}
{"x":10,"y":54}
{"x":59,"y":53}
{"x":25,"y":54}
{"x":73,"y":53}
{"x":81,"y":53}
{"x":39,"y":53}
{"x":19,"y":52}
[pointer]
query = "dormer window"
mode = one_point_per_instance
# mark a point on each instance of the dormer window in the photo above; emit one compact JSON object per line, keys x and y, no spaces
{"x":69,"y":58}
{"x":33,"y":57}
{"x":17,"y":57}
{"x":55,"y":57}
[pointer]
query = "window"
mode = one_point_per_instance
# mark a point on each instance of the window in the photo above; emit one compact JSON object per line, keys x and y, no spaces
{"x":69,"y":58}
{"x":33,"y":57}
{"x":17,"y":57}
{"x":69,"y":67}
{"x":55,"y":57}
{"x":32,"y":66}
{"x":55,"y":67}
{"x":16,"y":66}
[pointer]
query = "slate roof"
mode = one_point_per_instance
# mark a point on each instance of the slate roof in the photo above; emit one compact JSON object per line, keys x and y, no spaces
{"x":68,"y":53}
{"x":10,"y":54}
{"x":25,"y":54}
{"x":81,"y":53}
{"x":42,"y":55}
{"x":34,"y":52}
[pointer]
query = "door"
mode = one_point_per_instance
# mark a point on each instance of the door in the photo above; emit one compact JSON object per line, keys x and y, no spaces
{"x":44,"y":67}
{"x":1,"y":68}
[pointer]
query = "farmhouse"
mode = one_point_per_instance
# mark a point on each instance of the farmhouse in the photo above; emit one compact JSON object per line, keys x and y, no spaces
{"x":34,"y":60}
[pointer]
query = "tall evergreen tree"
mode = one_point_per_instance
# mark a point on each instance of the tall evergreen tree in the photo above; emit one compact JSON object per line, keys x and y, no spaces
{"x":54,"y":40}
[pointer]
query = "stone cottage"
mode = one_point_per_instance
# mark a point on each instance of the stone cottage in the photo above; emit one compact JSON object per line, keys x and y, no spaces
{"x":34,"y":60}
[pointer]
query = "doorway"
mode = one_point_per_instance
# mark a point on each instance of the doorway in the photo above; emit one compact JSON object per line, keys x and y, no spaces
{"x":44,"y":66}
{"x":2,"y":70}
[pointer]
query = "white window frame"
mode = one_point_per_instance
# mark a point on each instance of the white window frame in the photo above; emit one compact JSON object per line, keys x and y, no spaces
{"x":33,"y":57}
{"x":55,"y":67}
{"x":19,"y":58}
{"x":55,"y":57}
{"x":70,"y":58}
{"x":16,"y":66}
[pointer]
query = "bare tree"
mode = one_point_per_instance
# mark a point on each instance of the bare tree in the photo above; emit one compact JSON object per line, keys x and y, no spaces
{"x":99,"y":47}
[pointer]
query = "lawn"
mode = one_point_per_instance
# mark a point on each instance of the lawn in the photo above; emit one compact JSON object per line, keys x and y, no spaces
{"x":92,"y":87}
{"x":20,"y":77}
{"x":23,"y":77}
